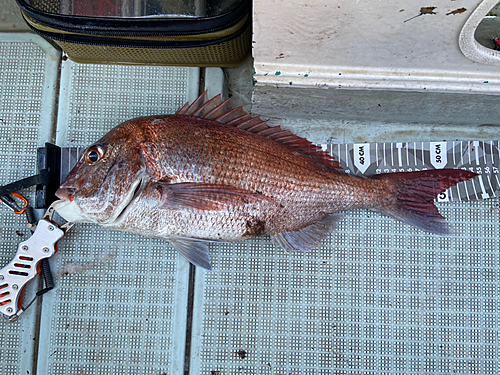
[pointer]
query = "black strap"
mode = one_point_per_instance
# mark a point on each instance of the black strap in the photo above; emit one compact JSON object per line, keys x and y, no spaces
{"x":40,"y":179}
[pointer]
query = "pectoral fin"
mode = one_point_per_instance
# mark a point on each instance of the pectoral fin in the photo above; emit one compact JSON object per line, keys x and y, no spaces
{"x":195,"y":251}
{"x":202,"y":196}
{"x":308,"y":238}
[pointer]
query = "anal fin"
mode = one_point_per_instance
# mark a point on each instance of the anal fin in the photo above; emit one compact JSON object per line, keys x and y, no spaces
{"x":195,"y":251}
{"x":308,"y":238}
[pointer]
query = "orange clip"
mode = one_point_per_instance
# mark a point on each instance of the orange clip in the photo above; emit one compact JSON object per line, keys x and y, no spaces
{"x":21,"y":211}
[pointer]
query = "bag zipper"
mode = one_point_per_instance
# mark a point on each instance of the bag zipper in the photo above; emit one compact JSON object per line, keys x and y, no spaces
{"x":122,"y":27}
{"x":130,"y":43}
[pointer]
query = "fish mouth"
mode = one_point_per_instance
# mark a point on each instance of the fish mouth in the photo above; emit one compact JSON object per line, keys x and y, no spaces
{"x":66,"y":194}
{"x":69,"y":210}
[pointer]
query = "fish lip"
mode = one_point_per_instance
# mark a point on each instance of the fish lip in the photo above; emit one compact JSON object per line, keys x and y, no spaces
{"x":65,"y":194}
{"x":74,"y":214}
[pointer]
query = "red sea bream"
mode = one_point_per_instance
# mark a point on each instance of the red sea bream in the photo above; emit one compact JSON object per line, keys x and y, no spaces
{"x":212,"y":173}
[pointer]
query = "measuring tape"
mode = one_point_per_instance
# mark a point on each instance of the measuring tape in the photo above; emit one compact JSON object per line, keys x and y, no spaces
{"x":481,"y":157}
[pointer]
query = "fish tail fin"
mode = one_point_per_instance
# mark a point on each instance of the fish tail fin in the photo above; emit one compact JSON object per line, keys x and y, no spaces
{"x":413,"y":202}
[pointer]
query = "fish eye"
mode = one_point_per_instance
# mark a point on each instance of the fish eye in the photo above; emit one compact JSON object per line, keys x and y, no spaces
{"x":95,"y":154}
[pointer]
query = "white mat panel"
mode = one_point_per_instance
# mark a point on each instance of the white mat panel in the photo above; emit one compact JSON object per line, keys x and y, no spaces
{"x":96,"y":98}
{"x":28,"y":74}
{"x":120,"y":301}
{"x":378,"y":297}
{"x":115,"y":307}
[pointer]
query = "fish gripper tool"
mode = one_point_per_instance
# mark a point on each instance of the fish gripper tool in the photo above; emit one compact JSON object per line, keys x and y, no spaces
{"x":27,"y":263}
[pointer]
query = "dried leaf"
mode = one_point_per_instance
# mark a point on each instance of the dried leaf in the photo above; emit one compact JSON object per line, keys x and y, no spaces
{"x":457,"y":11}
{"x":427,"y":10}
{"x":423,"y":11}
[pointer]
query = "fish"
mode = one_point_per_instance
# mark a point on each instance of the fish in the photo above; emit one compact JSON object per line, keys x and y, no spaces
{"x":212,"y":173}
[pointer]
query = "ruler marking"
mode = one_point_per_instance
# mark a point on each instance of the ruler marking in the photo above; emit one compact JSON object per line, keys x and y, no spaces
{"x":488,"y":178}
{"x":484,"y":152}
{"x":449,"y":148}
{"x":385,"y":160}
{"x":392,"y":155}
{"x":493,"y":152}
{"x":415,"y":153}
{"x":474,"y":188}
{"x":400,"y":156}
{"x":475,"y":144}
{"x":461,"y":153}
{"x":466,"y":190}
{"x":458,"y":191}
{"x":407,"y":154}
{"x":454,"y":154}
{"x":423,"y":155}
{"x":498,"y":182}
{"x":484,"y":194}
{"x":498,"y":148}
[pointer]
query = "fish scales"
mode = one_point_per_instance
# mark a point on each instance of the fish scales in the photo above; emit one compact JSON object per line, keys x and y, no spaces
{"x":209,"y":155}
{"x":209,"y":173}
{"x":300,"y":185}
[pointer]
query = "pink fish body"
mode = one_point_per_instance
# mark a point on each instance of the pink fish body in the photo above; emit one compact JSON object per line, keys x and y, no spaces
{"x":212,"y":173}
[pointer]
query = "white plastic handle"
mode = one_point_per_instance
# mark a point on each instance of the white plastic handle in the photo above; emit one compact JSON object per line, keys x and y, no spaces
{"x":23,"y":268}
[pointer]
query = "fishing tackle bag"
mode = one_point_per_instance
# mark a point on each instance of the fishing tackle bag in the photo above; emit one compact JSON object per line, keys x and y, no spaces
{"x":154,"y":32}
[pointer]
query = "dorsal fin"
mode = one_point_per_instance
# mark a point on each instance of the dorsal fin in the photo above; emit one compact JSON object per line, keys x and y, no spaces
{"x":221,"y":111}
